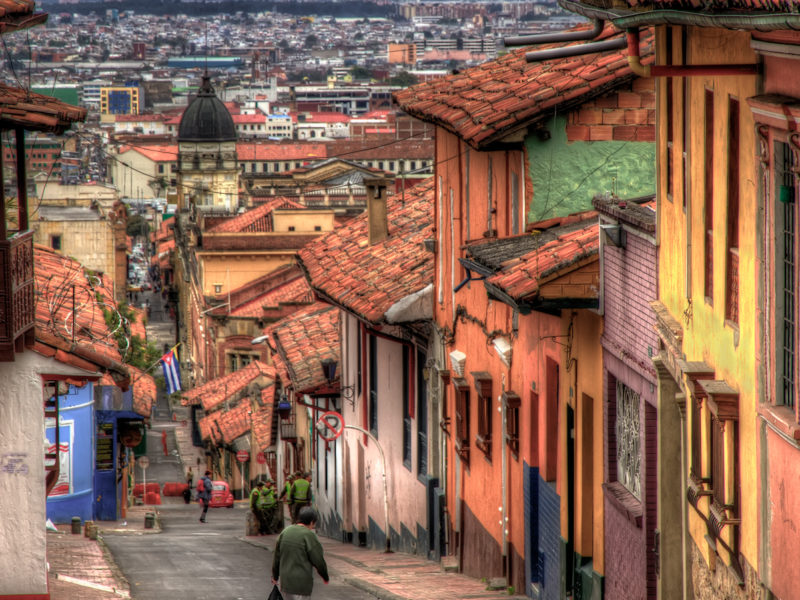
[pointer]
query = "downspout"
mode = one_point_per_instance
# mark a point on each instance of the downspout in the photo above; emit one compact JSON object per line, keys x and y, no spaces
{"x":634,"y":60}
{"x":576,"y":50}
{"x":554,"y":38}
{"x":504,"y":467}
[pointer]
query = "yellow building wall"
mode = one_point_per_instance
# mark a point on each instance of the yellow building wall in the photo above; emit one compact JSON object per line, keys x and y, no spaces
{"x":303,"y":220}
{"x":233,"y":270}
{"x":89,"y":242}
{"x":582,"y":389}
{"x":728,"y":348}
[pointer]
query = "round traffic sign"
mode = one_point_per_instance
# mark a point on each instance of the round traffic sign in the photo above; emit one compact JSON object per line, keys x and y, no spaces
{"x":242,"y":456}
{"x":143,"y":462}
{"x":330,"y":425}
{"x":261,"y":459}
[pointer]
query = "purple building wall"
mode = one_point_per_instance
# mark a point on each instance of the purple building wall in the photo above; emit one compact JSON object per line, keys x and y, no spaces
{"x":629,"y":284}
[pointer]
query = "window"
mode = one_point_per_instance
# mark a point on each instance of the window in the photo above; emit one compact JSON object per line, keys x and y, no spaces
{"x":785,"y":272}
{"x":709,"y":196}
{"x":462,"y":417}
{"x":732,"y":242}
{"x":406,"y":410}
{"x":317,"y":228}
{"x":512,"y":402}
{"x":483,"y":386}
{"x":373,"y":385}
{"x":217,"y":288}
{"x":627,"y":434}
{"x":514,"y":203}
{"x":422,"y":414}
{"x":444,"y":423}
{"x":55,"y":242}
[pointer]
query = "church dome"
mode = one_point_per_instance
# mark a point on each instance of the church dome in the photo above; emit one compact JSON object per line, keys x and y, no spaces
{"x":206,"y":119}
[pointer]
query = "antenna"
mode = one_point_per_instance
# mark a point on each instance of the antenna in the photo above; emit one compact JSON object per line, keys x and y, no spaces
{"x":206,"y":34}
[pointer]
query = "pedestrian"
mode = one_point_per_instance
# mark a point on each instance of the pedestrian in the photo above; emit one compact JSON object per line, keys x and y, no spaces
{"x":190,"y":478}
{"x":267,"y":503}
{"x":287,"y":488}
{"x":296,"y":551}
{"x":300,"y":494}
{"x":205,"y":494}
{"x":256,"y":509}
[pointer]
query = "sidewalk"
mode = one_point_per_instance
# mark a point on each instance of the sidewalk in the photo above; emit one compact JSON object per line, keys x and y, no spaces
{"x":394,"y":576}
{"x":83,"y":568}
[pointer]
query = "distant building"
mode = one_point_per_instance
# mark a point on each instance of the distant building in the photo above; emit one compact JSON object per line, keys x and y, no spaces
{"x":404,"y":54}
{"x":121,"y":100}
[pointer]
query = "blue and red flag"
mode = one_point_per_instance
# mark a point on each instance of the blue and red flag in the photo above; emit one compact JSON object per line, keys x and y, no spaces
{"x":172,"y":372}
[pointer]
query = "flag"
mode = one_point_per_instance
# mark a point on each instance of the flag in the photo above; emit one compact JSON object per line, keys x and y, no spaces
{"x":172,"y":374}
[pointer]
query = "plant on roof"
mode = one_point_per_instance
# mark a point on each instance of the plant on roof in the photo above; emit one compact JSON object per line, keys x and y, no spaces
{"x":134,"y":350}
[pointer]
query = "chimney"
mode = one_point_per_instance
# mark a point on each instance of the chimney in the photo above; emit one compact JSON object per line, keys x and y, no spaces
{"x":376,"y":209}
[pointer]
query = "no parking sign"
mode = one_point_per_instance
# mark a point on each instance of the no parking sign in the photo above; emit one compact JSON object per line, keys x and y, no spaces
{"x":330,"y":425}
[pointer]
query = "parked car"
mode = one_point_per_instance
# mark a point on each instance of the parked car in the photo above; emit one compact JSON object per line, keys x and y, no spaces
{"x":221,"y":495}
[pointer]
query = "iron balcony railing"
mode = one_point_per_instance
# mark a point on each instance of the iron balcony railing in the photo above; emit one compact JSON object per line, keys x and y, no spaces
{"x":17,"y":300}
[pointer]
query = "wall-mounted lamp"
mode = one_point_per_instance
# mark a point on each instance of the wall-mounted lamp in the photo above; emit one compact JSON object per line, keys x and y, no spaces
{"x":329,"y":366}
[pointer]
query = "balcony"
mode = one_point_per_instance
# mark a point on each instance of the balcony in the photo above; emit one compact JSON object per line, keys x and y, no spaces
{"x":17,"y":301}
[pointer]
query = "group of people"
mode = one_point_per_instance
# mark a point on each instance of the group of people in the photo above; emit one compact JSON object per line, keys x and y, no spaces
{"x":264,"y":505}
{"x":265,"y":502}
{"x":297,"y":549}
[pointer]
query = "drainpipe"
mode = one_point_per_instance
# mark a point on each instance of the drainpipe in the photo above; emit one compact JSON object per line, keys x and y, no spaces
{"x":554,"y":38}
{"x":576,"y":50}
{"x":634,"y":60}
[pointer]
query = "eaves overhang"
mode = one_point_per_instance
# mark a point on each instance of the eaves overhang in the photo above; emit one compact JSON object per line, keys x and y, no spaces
{"x":623,"y":18}
{"x":551,"y":306}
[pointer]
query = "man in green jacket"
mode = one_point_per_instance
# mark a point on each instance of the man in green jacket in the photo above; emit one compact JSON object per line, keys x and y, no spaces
{"x":296,"y":551}
{"x":300,"y":494}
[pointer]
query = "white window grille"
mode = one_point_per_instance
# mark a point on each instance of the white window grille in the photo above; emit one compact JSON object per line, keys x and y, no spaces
{"x":628,"y":444}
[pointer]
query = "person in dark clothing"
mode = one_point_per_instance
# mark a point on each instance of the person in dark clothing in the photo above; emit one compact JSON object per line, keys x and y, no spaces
{"x":205,"y":495}
{"x":296,"y":551}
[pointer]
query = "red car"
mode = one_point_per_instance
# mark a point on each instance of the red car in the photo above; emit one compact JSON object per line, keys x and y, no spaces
{"x":220,"y":494}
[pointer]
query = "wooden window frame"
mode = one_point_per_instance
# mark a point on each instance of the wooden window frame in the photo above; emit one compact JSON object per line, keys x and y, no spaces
{"x":708,"y":187}
{"x":461,"y":416}
{"x":421,"y":393}
{"x":512,"y":402}
{"x":407,"y":424}
{"x":732,"y":240}
{"x":483,"y":388}
{"x":773,"y":116}
{"x":445,"y":421}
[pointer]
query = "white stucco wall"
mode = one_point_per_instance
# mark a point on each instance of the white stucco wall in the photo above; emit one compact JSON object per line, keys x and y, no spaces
{"x":22,"y":497}
{"x":363,"y":486}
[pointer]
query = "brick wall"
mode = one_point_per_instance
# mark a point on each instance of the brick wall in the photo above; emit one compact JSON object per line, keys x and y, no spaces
{"x":629,"y":285}
{"x":625,"y":557}
{"x":626,"y":116}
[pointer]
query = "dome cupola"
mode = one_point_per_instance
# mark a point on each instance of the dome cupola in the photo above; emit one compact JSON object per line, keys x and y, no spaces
{"x":206,"y":119}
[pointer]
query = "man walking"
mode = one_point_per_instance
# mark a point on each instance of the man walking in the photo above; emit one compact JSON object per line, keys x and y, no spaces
{"x":300,"y":494}
{"x":296,"y":551}
{"x":205,"y":495}
{"x":266,"y":505}
{"x":256,"y":508}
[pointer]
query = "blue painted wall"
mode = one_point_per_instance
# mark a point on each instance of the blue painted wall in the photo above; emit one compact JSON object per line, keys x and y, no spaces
{"x":75,"y":486}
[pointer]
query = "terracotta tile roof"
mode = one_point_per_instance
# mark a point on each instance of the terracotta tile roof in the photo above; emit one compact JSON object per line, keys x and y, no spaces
{"x":212,"y":394}
{"x":391,"y":150}
{"x":35,"y":112}
{"x":563,"y":249}
{"x":144,"y":391}
{"x":303,"y":340}
{"x":263,"y":419}
{"x":321,"y":117}
{"x":367,"y":280}
{"x":155,"y":152}
{"x":248,"y":118}
{"x":485,"y":103}
{"x":56,"y":277}
{"x":281,"y":371}
{"x":278,"y":151}
{"x":19,"y":14}
{"x":296,"y":291}
{"x":255,"y":220}
{"x":224,"y":426}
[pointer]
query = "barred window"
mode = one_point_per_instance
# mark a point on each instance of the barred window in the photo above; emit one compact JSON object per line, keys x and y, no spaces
{"x":628,"y":445}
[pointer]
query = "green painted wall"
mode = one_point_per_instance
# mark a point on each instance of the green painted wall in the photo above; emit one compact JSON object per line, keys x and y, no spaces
{"x":65,"y":94}
{"x":567,"y":175}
